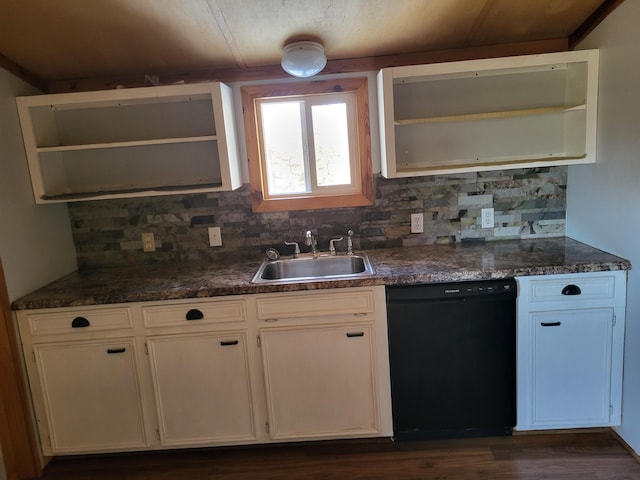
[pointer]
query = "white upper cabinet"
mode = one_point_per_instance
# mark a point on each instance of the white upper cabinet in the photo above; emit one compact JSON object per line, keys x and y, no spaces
{"x":514,"y":112}
{"x":130,"y":142}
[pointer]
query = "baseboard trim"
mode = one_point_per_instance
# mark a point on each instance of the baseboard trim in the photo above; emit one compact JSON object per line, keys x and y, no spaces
{"x":626,"y":446}
{"x":562,"y":431}
{"x":615,"y":434}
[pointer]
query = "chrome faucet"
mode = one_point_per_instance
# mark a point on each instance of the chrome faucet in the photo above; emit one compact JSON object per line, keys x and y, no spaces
{"x":310,"y":240}
{"x":332,"y":247}
{"x":350,"y":242}
{"x":296,"y":251}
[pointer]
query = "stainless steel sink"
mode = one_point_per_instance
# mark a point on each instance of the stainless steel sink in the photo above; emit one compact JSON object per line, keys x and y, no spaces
{"x":314,"y":268}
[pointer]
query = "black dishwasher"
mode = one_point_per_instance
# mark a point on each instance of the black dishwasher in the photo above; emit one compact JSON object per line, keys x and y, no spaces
{"x":452,"y":353}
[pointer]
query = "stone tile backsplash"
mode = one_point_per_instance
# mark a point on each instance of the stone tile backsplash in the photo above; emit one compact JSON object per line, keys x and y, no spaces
{"x":527,"y":202}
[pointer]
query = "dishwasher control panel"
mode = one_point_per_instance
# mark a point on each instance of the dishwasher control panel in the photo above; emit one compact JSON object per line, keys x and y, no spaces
{"x":452,"y":289}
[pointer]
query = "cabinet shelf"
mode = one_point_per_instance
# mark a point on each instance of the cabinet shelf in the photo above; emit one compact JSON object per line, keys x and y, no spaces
{"x":132,"y":143}
{"x":490,"y":114}
{"x":134,"y":192}
{"x":486,"y":163}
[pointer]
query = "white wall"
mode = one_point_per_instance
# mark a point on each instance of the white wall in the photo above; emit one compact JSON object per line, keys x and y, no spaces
{"x":603,"y":200}
{"x":36,"y":245}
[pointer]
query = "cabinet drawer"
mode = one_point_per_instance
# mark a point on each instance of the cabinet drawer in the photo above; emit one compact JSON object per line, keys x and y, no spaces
{"x":316,"y":303}
{"x":199,"y":313}
{"x":573,"y":288}
{"x":79,"y":321}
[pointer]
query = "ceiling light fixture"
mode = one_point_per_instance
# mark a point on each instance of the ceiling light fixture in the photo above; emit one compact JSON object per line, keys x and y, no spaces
{"x":303,"y":59}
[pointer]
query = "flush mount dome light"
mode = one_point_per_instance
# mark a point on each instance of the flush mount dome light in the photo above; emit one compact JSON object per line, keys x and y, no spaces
{"x":303,"y":59}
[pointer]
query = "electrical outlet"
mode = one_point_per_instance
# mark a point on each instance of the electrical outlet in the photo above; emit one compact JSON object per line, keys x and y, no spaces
{"x":148,"y":242}
{"x":486,"y":215}
{"x":417,"y":223}
{"x":215,"y":237}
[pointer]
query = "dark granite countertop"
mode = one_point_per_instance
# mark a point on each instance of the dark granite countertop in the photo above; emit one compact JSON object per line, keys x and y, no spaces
{"x":394,"y":266}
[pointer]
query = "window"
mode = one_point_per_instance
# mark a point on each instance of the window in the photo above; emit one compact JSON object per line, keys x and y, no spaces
{"x":308,"y":145}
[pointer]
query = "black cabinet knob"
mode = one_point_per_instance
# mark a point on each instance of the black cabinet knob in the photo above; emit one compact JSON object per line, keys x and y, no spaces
{"x":80,"y":322}
{"x":571,"y":290}
{"x":194,"y":314}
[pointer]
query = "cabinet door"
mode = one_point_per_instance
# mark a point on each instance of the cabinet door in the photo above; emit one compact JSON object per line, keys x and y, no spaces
{"x":91,"y":395}
{"x":320,"y":381}
{"x":202,"y":388}
{"x":571,"y":367}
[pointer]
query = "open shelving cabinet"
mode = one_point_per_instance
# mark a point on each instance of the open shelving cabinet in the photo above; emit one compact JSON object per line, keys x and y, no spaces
{"x":512,"y":112}
{"x":130,"y":142}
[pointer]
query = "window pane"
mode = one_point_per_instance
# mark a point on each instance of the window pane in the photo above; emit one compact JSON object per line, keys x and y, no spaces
{"x":284,"y":150}
{"x":331,"y":140}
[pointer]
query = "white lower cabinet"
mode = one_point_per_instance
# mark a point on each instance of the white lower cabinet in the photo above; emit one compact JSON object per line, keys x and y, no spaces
{"x":320,"y":380}
{"x":570,"y":349}
{"x":202,"y":388}
{"x":239,"y":369}
{"x":571,"y":365}
{"x":326,"y":363}
{"x":91,"y":395}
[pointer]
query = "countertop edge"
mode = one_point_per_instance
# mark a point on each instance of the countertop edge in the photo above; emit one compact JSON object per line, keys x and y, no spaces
{"x":414,"y":265}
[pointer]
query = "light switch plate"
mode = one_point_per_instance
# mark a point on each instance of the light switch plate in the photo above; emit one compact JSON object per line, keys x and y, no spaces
{"x":148,"y":242}
{"x":417,"y":223}
{"x":215,"y":237}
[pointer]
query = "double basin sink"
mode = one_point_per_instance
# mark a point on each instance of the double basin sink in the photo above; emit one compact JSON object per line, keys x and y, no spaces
{"x":309,"y":268}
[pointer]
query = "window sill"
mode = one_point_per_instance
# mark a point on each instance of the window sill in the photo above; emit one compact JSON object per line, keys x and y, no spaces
{"x":260,"y":204}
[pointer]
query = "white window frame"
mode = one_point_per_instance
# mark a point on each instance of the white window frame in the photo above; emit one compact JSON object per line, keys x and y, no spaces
{"x":306,"y":103}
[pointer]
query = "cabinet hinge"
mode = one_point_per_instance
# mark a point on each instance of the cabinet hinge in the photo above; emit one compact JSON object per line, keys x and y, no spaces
{"x":49,"y":440}
{"x":158,"y":433}
{"x":610,"y":410}
{"x":266,"y":426}
{"x":259,"y":341}
{"x":146,"y":348}
{"x":614,"y":319}
{"x":33,"y":353}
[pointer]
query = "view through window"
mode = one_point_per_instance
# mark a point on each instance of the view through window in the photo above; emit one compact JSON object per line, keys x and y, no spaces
{"x":299,"y":163}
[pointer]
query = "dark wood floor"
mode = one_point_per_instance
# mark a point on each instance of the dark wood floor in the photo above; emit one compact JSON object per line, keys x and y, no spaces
{"x":579,"y":456}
